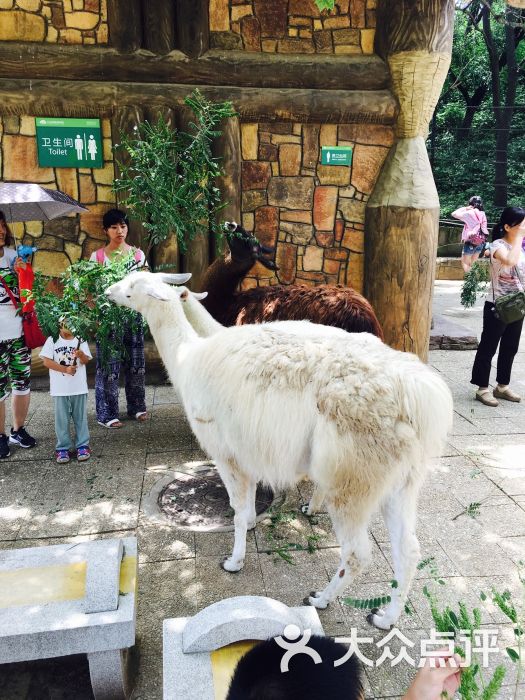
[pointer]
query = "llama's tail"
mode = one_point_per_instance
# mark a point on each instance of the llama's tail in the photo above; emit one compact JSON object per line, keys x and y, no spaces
{"x":428,"y":408}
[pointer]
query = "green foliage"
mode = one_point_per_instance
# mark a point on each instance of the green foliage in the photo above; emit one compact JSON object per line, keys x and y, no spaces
{"x":475,"y":283}
{"x":83,"y":306}
{"x":325,"y":4}
{"x":367,"y":603}
{"x":167,"y":177}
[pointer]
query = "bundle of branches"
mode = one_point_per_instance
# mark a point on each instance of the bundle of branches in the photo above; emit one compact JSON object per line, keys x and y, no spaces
{"x":475,"y":283}
{"x":82,"y":305}
{"x":167,"y":176}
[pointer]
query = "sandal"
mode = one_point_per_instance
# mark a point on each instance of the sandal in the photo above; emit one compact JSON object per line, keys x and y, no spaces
{"x":506,"y":394}
{"x":142,"y":416}
{"x":486,"y":398}
{"x":113,"y":424}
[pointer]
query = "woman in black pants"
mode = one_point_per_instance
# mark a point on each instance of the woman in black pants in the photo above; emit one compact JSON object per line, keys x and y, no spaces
{"x":508,"y":275}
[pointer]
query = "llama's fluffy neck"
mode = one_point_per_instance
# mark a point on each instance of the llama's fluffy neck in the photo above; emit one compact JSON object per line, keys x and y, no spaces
{"x":172,"y":333}
{"x":221,"y":280}
{"x":201,"y":320}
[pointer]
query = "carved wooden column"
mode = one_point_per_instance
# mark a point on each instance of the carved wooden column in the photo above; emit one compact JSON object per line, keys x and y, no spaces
{"x":125,"y":25}
{"x":159,"y":25}
{"x":401,"y":224}
{"x":192,"y":27}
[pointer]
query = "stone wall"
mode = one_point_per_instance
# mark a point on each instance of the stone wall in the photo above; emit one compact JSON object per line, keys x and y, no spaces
{"x":293,"y":26}
{"x":54,"y":21}
{"x":313,"y":213}
{"x":62,"y":241}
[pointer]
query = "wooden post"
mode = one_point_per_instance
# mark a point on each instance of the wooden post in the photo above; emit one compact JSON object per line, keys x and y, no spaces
{"x":159,"y":26}
{"x":227,"y":147}
{"x":402,"y":215}
{"x":192,"y":27}
{"x":125,"y":25}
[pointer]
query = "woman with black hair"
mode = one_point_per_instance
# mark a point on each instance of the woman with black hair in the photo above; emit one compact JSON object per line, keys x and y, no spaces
{"x":508,"y":275}
{"x":475,"y":231}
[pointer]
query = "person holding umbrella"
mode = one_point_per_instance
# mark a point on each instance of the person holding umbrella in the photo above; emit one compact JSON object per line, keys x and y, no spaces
{"x":15,"y":356}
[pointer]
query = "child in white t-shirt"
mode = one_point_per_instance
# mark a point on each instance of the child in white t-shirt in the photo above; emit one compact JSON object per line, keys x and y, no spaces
{"x":66,"y":358}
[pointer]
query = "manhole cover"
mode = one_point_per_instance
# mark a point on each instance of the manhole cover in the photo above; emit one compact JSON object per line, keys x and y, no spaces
{"x":199,"y":501}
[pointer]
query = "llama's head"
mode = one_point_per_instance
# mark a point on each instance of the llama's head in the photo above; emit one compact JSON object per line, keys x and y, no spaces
{"x":137,"y":288}
{"x":244,"y":247}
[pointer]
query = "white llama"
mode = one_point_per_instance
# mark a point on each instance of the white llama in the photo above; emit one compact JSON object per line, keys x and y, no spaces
{"x":268,"y":404}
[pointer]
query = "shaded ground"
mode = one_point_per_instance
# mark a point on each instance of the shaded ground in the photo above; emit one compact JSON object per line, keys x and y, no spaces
{"x":44,"y":503}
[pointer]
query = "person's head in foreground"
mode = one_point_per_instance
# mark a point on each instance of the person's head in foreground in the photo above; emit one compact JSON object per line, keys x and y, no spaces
{"x":258,"y":675}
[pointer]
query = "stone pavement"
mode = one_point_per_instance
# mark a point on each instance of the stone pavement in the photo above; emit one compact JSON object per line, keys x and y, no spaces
{"x":43,"y":503}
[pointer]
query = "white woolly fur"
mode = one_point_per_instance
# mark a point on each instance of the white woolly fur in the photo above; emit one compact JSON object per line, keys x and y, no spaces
{"x":276,"y":401}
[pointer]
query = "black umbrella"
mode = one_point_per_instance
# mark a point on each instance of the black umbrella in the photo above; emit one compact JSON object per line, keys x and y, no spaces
{"x":21,"y":201}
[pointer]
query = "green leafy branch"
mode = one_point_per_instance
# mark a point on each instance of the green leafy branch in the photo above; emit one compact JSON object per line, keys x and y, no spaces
{"x":475,"y":284}
{"x":167,"y":176}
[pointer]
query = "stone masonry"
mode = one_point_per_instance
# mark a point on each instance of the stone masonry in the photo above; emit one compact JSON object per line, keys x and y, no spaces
{"x":294,"y":26}
{"x":313,"y":213}
{"x":62,"y":241}
{"x":54,"y":21}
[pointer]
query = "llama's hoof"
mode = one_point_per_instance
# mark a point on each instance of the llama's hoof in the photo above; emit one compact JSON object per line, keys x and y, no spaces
{"x":251,"y":524}
{"x":232,"y":566}
{"x":304,"y":508}
{"x":377,"y":619}
{"x":317,"y":600}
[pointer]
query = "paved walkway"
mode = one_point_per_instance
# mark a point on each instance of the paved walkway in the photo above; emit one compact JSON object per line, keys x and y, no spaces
{"x":42,"y":503}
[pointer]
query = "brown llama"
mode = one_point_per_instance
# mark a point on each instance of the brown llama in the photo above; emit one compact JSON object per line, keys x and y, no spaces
{"x":329,"y":305}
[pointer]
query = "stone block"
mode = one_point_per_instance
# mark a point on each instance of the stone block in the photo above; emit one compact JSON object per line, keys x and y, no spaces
{"x":301,"y":234}
{"x":368,"y":134}
{"x":269,"y":45}
{"x":89,"y":246}
{"x":339,"y":229}
{"x":51,"y":264}
{"x":240,"y":11}
{"x":347,"y":50}
{"x":29,"y":5}
{"x":251,"y":199}
{"x":337,"y":22}
{"x":255,"y":175}
{"x":11,"y":124}
{"x":303,"y":217}
{"x":310,"y":145}
{"x":70,"y":36}
{"x":358,"y":13}
{"x":291,"y":192}
{"x":272,"y":16}
{"x":248,"y":221}
{"x":27,"y":126}
{"x":336,"y":254}
{"x":355,"y":273}
{"x":289,"y":159}
{"x":6,"y":4}
{"x":346,"y":36}
{"x":65,"y":227}
{"x":323,"y":41}
{"x":268,"y":151}
{"x":105,"y":194}
{"x":52,"y":243}
{"x":73,"y":251}
{"x":20,"y":160}
{"x":67,"y":181}
{"x":250,"y":141}
{"x":275,"y":168}
{"x":21,"y":26}
{"x":325,"y":239}
{"x":333,"y":175}
{"x":367,"y":164}
{"x":278,"y":138}
{"x":88,"y":192}
{"x":295,"y":46}
{"x":280,"y":128}
{"x":300,"y":22}
{"x":286,"y":260}
{"x":303,"y":8}
{"x":225,"y":40}
{"x":325,"y":206}
{"x":313,"y":259}
{"x":92,"y":6}
{"x":331,"y":267}
{"x":219,"y":16}
{"x":251,"y":34}
{"x":367,"y":40}
{"x":328,"y":135}
{"x":354,"y":240}
{"x":311,"y":278}
{"x":34,"y":228}
{"x":105,"y":175}
{"x":102,"y":34}
{"x":267,"y":225}
{"x":352,"y":210}
{"x":82,"y":20}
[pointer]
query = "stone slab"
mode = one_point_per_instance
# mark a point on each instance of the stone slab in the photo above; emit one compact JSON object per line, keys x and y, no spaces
{"x":189,"y":675}
{"x":447,"y":335}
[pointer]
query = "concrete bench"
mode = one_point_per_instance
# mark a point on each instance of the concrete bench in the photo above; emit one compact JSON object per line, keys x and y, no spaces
{"x":200,"y":653}
{"x":71,"y":599}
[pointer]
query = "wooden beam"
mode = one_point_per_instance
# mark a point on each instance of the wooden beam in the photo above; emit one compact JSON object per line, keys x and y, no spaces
{"x":227,"y":147}
{"x":125,"y":25}
{"x":83,"y":99}
{"x":215,"y":67}
{"x":193,"y":31}
{"x":159,"y":26}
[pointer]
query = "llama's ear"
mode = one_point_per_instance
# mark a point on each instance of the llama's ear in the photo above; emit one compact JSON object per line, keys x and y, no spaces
{"x":199,"y":295}
{"x":175,"y":278}
{"x":157,"y":293}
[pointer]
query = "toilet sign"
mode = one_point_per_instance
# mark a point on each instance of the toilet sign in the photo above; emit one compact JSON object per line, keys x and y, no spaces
{"x":69,"y":143}
{"x":336,"y":155}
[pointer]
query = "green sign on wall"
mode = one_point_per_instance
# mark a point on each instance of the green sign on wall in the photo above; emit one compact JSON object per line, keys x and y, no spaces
{"x":69,"y":143}
{"x":336,"y":155}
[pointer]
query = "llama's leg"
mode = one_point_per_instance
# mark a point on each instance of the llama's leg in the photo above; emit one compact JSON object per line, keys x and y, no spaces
{"x":399,"y":513}
{"x":242,"y":494}
{"x":315,"y":502}
{"x":355,"y":554}
{"x":252,"y":517}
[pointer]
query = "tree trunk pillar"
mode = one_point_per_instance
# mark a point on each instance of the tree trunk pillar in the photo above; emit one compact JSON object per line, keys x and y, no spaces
{"x":402,"y":215}
{"x":227,"y":147}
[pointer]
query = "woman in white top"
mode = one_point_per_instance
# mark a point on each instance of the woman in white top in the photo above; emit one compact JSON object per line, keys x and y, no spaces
{"x":115,"y":223}
{"x":15,"y":356}
{"x":508,"y":275}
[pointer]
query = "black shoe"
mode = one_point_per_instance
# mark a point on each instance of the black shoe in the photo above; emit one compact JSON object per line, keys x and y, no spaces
{"x":21,"y":438}
{"x":4,"y":446}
